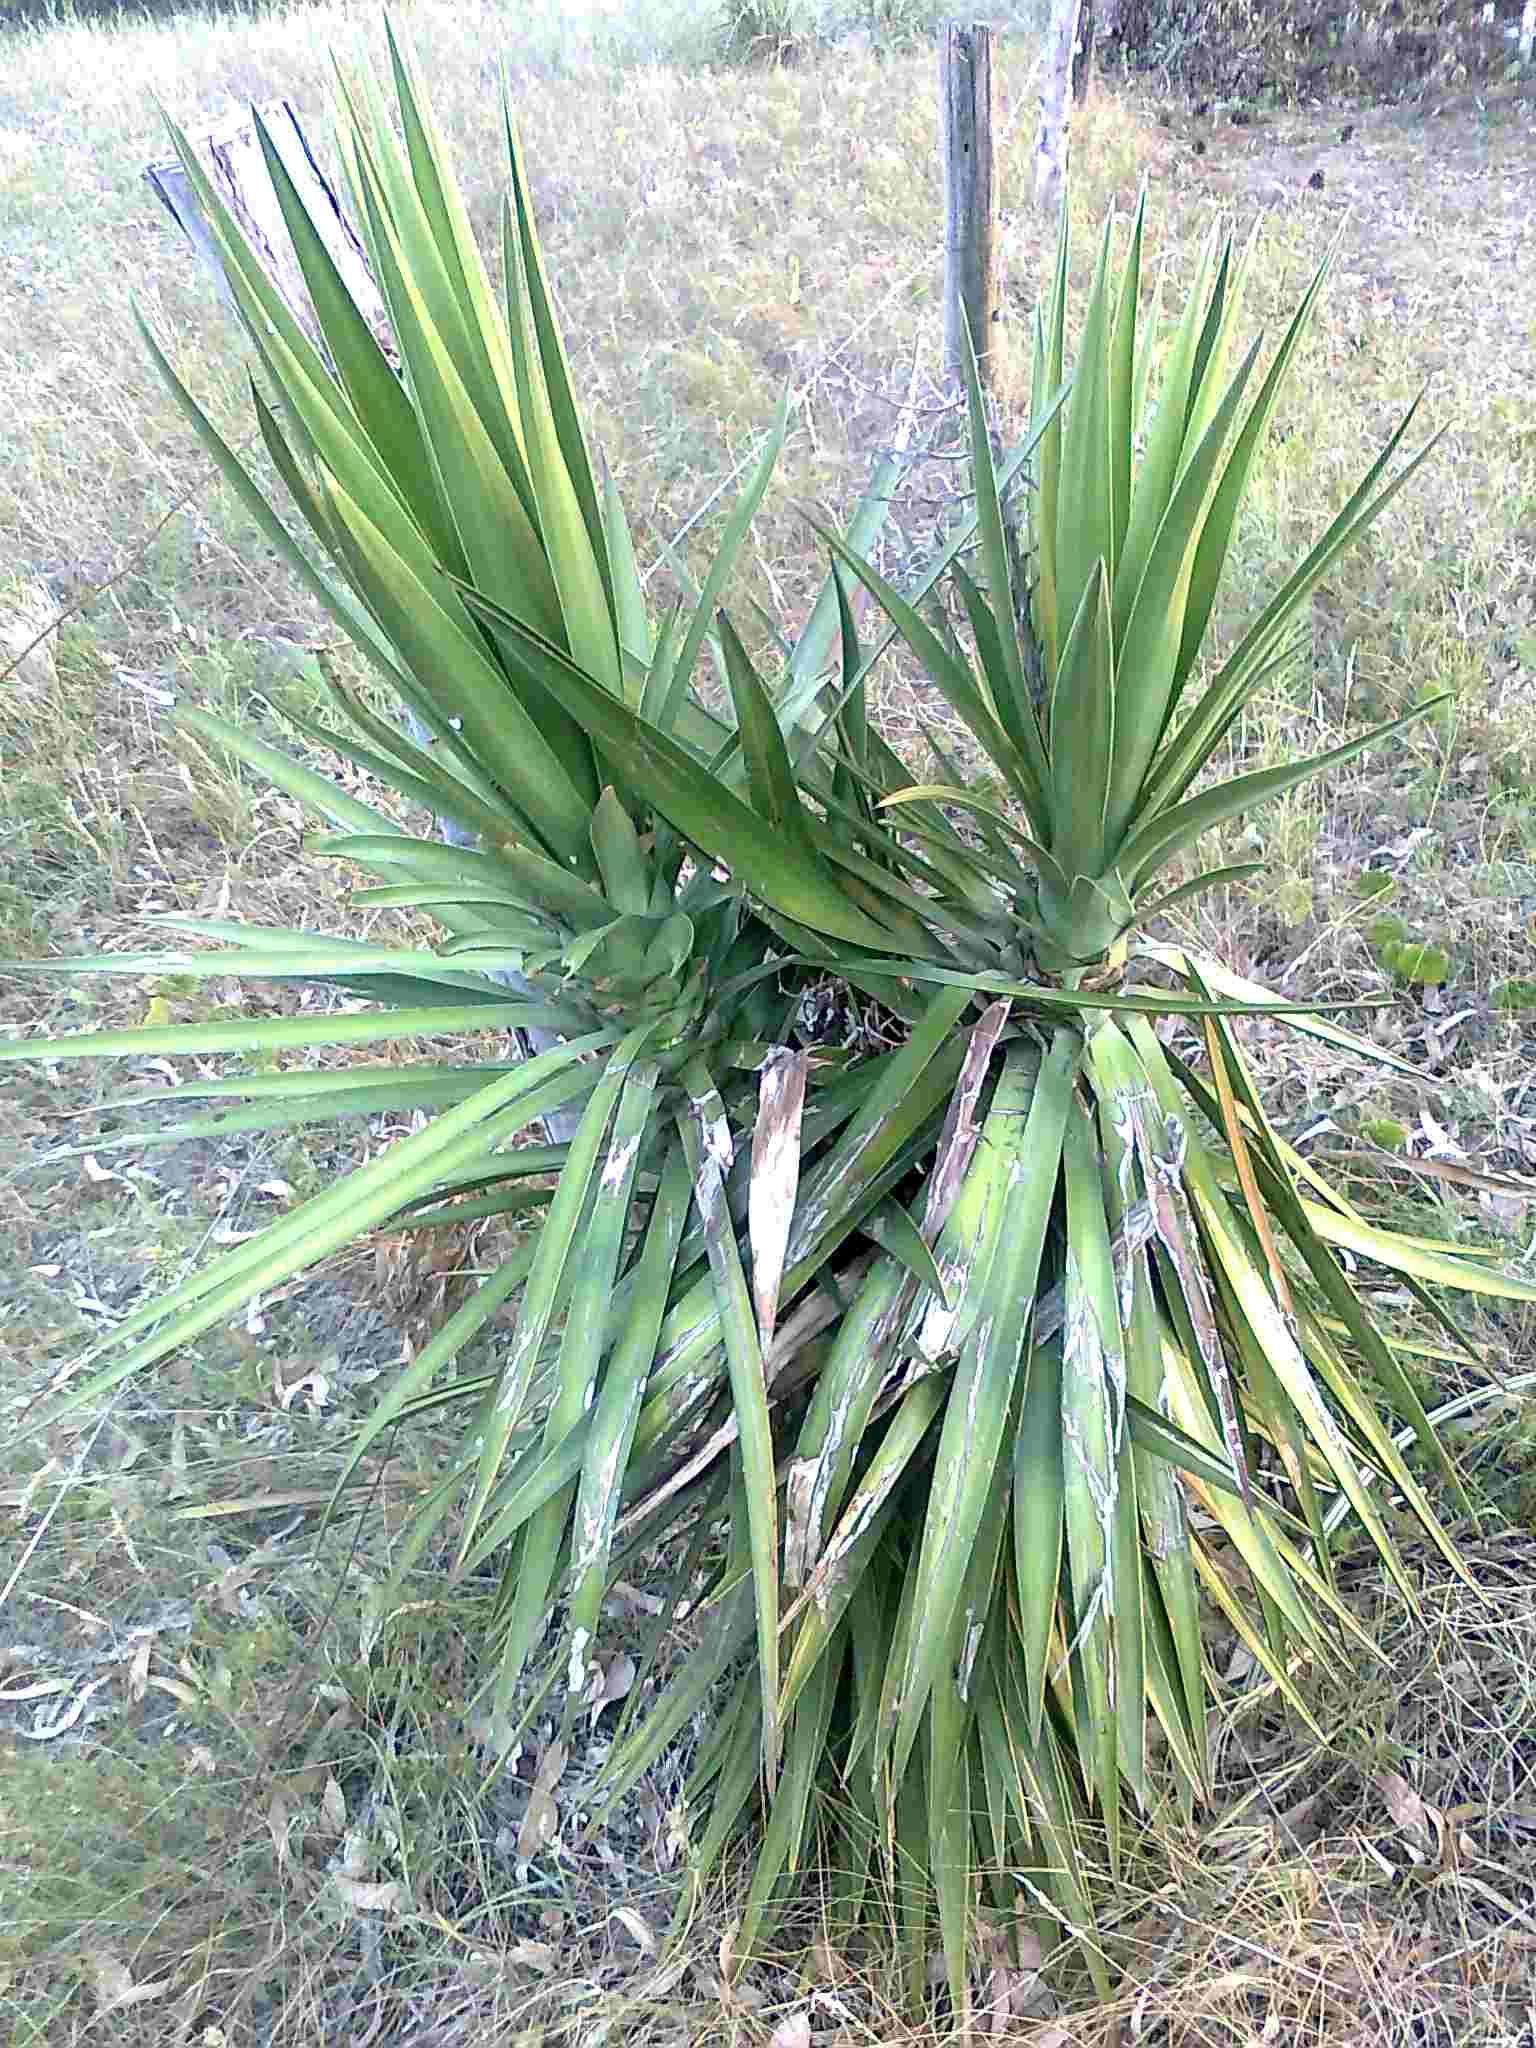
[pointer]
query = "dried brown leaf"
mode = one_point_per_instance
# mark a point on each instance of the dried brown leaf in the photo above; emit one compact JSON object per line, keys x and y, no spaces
{"x":187,"y":1695}
{"x":111,"y":1978}
{"x":636,"y":1928}
{"x":541,"y":1824}
{"x":45,"y":1688}
{"x":233,"y":1579}
{"x":551,"y":1767}
{"x":1029,"y":1949}
{"x":333,"y":1806}
{"x":113,"y":1983}
{"x":613,"y":1681}
{"x":534,"y":1955}
{"x":388,"y":1897}
{"x":826,"y":1964}
{"x":286,"y":1391}
{"x":1419,"y":1823}
{"x":71,"y":1714}
{"x":138,"y":1668}
{"x":278,"y":1819}
{"x":996,"y":2013}
{"x":627,"y":1599}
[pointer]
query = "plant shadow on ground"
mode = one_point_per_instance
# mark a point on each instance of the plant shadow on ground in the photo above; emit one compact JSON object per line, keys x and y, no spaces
{"x":231,"y":1808}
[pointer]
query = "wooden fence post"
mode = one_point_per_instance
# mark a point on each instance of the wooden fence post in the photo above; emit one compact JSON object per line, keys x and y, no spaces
{"x":1056,"y":84}
{"x":231,"y":156}
{"x":1083,"y":54}
{"x":970,"y":201}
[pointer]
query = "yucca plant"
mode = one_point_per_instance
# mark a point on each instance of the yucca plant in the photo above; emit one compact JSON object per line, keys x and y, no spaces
{"x":761,"y":31}
{"x":971,"y":1354}
{"x":445,"y":454}
{"x":1116,"y":1375}
{"x":1155,"y":1371}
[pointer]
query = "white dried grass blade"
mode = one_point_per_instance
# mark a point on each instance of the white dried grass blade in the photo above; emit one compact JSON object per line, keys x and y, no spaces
{"x":775,"y":1179}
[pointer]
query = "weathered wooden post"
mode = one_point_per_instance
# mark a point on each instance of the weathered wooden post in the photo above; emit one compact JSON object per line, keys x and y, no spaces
{"x":1083,"y":73}
{"x":231,"y":156}
{"x":1056,"y":81}
{"x":970,"y":197}
{"x":970,"y":240}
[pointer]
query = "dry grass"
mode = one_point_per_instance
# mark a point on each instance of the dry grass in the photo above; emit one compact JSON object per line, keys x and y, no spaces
{"x":715,"y":236}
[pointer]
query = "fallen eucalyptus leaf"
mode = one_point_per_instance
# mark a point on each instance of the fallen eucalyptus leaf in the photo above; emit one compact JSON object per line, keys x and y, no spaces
{"x":1408,"y":1810}
{"x":534,"y":1955}
{"x":611,"y":1682}
{"x":636,"y":1928}
{"x":138,"y":1669}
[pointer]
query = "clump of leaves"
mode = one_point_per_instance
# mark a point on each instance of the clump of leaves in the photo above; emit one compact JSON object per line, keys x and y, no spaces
{"x":1407,"y":958}
{"x":439,"y":467}
{"x":1385,"y":1131}
{"x":762,"y":31}
{"x":962,"y":1357}
{"x":1133,"y":1345}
